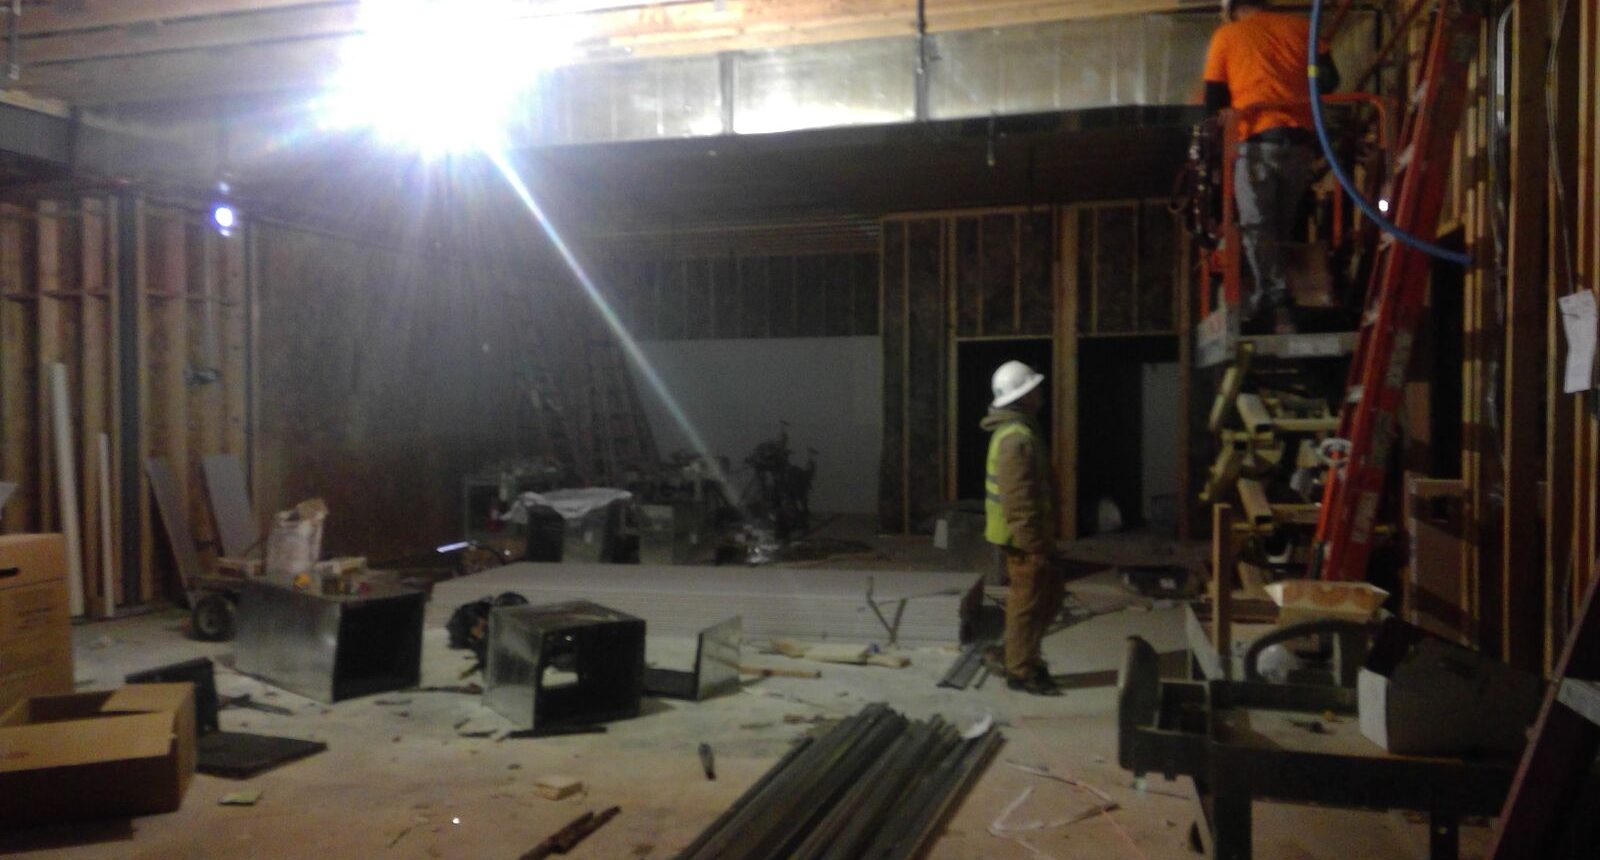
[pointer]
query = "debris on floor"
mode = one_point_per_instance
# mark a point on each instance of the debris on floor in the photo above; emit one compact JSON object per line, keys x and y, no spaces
{"x":707,"y":761}
{"x":567,"y":838}
{"x":247,"y":797}
{"x":778,"y":672}
{"x":557,"y":787}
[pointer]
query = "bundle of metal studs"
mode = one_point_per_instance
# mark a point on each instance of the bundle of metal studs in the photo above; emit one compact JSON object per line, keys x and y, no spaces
{"x":877,"y":785}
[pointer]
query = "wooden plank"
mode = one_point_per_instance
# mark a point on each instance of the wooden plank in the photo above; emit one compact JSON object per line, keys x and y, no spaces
{"x":166,"y":422}
{"x":47,"y":262}
{"x":236,"y":365}
{"x":1223,"y":562}
{"x":1257,"y":509}
{"x":144,"y":232}
{"x":238,"y":530}
{"x":95,"y":347}
{"x":19,"y":460}
{"x":1432,"y":588}
{"x":205,"y":407}
{"x":1064,"y":378}
{"x":164,"y":487}
{"x":114,"y":398}
{"x":1523,"y":576}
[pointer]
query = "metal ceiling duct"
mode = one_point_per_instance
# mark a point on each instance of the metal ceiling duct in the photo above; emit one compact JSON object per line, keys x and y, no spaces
{"x":1152,"y":59}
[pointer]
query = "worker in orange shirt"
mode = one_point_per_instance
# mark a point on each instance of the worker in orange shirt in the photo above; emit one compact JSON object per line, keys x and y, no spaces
{"x":1257,"y":58}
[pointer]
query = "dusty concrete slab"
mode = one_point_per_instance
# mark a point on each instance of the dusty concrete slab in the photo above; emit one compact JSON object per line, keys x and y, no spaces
{"x":399,"y":780}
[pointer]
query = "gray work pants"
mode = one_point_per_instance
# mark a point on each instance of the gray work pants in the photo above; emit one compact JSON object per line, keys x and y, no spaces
{"x":1269,"y":180}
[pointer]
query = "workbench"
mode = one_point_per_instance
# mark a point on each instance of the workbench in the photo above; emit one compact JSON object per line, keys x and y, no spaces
{"x":1242,"y":742}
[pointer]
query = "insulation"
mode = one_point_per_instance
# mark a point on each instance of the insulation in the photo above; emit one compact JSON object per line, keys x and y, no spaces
{"x":754,"y":300}
{"x":781,"y":290}
{"x":810,"y":288}
{"x":1036,"y":294}
{"x":998,"y":254}
{"x":968,"y":278}
{"x":1116,"y":265}
{"x":1157,"y":263}
{"x":864,"y":293}
{"x":724,"y":298}
{"x":926,"y":342}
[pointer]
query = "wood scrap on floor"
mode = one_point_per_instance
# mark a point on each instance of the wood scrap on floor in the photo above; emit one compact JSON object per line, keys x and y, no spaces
{"x":850,"y":654}
{"x":557,"y":787}
{"x":778,"y":672}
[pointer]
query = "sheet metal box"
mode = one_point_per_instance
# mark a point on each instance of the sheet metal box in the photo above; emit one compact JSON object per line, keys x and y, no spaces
{"x":331,"y":647}
{"x":564,"y":664}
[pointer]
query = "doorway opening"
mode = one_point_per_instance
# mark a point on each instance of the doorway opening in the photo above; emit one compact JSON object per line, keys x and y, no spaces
{"x":976,"y":361}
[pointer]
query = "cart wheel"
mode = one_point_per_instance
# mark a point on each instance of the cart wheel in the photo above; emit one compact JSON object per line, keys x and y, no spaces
{"x":213,"y":618}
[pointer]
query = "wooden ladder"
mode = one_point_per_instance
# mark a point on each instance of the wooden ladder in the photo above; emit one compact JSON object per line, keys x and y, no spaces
{"x":1562,"y":750}
{"x":620,"y":433}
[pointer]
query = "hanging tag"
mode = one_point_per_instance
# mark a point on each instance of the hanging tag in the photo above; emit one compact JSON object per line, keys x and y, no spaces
{"x":1578,"y":319}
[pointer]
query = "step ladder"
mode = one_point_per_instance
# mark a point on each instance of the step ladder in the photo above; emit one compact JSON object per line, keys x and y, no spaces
{"x":623,"y":449}
{"x":1368,"y":418}
{"x":1561,"y":751}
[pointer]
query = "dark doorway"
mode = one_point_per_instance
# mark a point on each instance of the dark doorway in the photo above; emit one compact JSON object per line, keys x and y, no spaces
{"x":976,"y":361}
{"x":1111,"y":421}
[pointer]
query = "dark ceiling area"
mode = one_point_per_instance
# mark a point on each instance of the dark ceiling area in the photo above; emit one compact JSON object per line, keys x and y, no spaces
{"x":1101,"y":154}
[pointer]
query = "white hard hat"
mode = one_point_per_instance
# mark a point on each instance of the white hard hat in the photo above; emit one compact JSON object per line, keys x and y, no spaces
{"x":1012,"y":381}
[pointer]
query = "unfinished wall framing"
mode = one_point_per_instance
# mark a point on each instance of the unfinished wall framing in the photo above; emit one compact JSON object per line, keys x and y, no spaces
{"x":174,"y":319}
{"x":1003,"y":274}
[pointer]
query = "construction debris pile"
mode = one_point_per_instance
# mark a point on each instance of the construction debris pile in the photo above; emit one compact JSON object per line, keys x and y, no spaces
{"x":876,"y":785}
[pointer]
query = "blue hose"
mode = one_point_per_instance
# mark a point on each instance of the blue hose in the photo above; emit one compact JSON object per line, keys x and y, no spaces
{"x":1366,"y":208}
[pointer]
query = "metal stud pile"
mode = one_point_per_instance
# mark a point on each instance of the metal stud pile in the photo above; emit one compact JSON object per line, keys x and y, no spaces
{"x":875,"y":786}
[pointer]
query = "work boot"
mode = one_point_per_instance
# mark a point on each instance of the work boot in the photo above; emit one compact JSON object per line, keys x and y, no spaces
{"x":1036,"y":682}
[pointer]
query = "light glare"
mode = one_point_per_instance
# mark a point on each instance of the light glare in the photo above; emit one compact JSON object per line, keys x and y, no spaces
{"x":1383,"y":206}
{"x":223,"y":216}
{"x":442,"y":76}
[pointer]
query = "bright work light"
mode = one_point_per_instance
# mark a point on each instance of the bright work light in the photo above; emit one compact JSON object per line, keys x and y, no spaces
{"x":442,"y":75}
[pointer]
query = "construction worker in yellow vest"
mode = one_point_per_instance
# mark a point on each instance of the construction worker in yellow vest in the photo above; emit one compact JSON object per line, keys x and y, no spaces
{"x":1021,"y":522}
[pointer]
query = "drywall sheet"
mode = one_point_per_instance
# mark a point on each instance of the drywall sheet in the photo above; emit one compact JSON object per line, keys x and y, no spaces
{"x":734,"y":393}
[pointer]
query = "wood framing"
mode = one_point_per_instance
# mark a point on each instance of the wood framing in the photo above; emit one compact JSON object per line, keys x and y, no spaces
{"x":59,"y":302}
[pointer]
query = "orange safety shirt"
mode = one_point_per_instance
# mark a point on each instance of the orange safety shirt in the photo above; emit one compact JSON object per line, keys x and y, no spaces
{"x":1262,"y":59}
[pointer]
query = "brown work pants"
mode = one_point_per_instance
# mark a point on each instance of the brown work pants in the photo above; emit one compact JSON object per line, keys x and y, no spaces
{"x":1037,"y":592}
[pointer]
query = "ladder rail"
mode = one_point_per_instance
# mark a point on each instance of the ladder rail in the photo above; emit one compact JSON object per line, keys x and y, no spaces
{"x":1369,"y":416}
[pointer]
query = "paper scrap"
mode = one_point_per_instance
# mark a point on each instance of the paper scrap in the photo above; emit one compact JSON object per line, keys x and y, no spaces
{"x":248,"y":797}
{"x":1578,"y":320}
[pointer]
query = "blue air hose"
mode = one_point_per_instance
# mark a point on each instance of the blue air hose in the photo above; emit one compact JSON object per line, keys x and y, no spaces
{"x":1366,"y":208}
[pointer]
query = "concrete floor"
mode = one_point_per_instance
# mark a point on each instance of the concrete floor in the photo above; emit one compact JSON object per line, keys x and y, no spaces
{"x":399,"y":781}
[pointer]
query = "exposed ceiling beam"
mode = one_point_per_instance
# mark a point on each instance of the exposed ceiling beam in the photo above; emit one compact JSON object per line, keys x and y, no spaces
{"x":297,"y":46}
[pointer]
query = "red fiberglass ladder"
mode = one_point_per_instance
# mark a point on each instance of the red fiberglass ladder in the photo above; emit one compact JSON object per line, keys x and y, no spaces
{"x":1395,"y":296}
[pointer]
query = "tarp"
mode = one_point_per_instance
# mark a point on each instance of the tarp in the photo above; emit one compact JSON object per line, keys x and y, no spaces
{"x":570,"y":504}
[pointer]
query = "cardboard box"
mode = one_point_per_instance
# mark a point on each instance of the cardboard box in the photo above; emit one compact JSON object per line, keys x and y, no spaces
{"x":1420,"y":695}
{"x":1312,"y":600}
{"x":96,"y":755}
{"x":35,"y":627}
